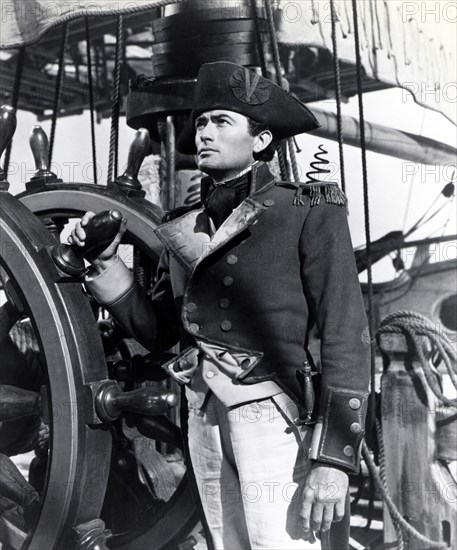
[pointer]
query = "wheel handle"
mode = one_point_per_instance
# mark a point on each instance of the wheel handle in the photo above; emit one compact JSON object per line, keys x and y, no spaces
{"x":139,"y":148}
{"x":100,"y":232}
{"x":111,"y":402}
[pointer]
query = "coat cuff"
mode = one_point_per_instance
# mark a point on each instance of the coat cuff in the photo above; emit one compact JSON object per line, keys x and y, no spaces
{"x":112,"y":283}
{"x":343,"y":428}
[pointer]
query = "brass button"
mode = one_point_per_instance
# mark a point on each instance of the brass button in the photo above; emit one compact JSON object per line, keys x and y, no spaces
{"x":354,"y":403}
{"x":226,"y":326}
{"x":227,"y":281}
{"x":232,"y":259}
{"x":194,"y":328}
{"x":268,"y":202}
{"x":356,"y":428}
{"x":348,"y":450}
{"x":245,"y":363}
{"x":191,"y":307}
{"x":224,"y":303}
{"x":210,"y":374}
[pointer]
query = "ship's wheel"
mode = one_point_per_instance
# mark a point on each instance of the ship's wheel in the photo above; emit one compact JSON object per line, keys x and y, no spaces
{"x":72,"y":358}
{"x":104,"y":482}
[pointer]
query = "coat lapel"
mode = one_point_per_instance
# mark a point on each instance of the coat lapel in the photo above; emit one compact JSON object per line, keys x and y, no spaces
{"x":189,"y":239}
{"x":186,"y":237}
{"x":240,"y":219}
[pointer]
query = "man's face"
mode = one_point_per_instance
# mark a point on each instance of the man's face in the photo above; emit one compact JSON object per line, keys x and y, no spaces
{"x":224,"y":145}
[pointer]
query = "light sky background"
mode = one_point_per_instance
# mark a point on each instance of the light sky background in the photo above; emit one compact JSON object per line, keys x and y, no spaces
{"x":390,"y":180}
{"x":400,"y":191}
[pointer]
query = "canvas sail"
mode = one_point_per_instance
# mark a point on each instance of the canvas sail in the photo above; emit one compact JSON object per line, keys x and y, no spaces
{"x":406,"y":44}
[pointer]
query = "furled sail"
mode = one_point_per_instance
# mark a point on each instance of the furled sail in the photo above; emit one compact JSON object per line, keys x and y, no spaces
{"x":24,"y":22}
{"x":406,"y":44}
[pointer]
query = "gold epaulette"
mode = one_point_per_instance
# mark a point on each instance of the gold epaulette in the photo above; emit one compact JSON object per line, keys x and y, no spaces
{"x":331,"y":191}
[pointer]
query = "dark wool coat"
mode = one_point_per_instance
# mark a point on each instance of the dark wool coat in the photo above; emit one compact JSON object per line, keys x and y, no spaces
{"x":272,"y":272}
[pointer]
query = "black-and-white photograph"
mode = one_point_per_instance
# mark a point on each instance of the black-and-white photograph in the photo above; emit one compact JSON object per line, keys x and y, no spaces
{"x":228,"y":275}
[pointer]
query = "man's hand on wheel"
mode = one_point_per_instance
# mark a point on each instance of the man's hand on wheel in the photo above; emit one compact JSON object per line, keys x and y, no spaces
{"x":107,"y":256}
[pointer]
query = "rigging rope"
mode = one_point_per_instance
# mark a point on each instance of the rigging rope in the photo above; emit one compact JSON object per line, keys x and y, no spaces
{"x":411,"y":185}
{"x":337,"y":76}
{"x":382,"y":473}
{"x":14,"y":103}
{"x":281,"y":83}
{"x":366,"y":207}
{"x":393,"y":511}
{"x":448,"y":192}
{"x":58,"y":91}
{"x":91,"y":99}
{"x":279,"y":152}
{"x":116,"y":102}
{"x":449,"y":216}
{"x":258,"y":34}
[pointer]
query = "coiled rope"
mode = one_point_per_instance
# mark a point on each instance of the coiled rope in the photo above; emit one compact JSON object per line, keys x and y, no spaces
{"x":427,"y":339}
{"x":423,"y":333}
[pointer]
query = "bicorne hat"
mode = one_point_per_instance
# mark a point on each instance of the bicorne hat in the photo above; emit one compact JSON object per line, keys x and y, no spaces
{"x":227,"y":86}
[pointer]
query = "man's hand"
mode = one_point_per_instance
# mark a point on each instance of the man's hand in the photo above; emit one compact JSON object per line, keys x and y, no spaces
{"x":107,"y":256}
{"x":324,"y":498}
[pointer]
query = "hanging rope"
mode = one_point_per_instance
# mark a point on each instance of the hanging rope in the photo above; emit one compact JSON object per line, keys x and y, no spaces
{"x":263,"y":65}
{"x":366,"y":207}
{"x":91,"y":99}
{"x":280,"y":82}
{"x":14,"y":103}
{"x":58,"y":91}
{"x":382,"y":475}
{"x":337,"y":76}
{"x":393,"y":510}
{"x":116,"y":102}
{"x":258,"y":34}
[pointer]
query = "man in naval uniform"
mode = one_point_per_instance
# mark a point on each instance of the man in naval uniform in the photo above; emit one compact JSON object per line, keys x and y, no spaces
{"x":243,"y":278}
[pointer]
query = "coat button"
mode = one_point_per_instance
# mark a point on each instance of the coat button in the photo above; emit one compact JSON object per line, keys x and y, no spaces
{"x":190,"y":307}
{"x":268,"y":202}
{"x":194,"y":328}
{"x":348,"y":450}
{"x":245,"y":363}
{"x":232,"y":259}
{"x":227,"y":281}
{"x":226,"y":326}
{"x":210,"y":374}
{"x":356,"y":428}
{"x":224,"y":303}
{"x":354,"y":403}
